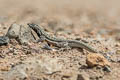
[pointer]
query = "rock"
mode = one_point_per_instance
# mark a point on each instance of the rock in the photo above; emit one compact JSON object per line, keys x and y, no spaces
{"x":20,"y":33}
{"x":83,"y":76}
{"x":34,"y":67}
{"x":45,"y":64}
{"x":116,"y":56}
{"x":96,"y":60}
{"x":13,"y":31}
{"x":25,"y":35}
{"x":69,"y":74}
{"x":5,"y":68}
{"x":18,"y":72}
{"x":4,"y":40}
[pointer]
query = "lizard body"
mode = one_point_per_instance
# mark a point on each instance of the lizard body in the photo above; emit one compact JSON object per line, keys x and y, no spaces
{"x":58,"y":41}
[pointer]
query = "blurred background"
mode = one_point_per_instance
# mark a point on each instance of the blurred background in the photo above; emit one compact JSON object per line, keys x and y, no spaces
{"x":63,"y":13}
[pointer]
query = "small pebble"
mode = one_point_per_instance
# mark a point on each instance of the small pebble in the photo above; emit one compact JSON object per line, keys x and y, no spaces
{"x":107,"y":69}
{"x":118,"y":52}
{"x":94,"y":59}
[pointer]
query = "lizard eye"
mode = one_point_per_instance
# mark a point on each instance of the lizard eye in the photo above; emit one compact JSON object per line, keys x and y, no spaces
{"x":30,"y":25}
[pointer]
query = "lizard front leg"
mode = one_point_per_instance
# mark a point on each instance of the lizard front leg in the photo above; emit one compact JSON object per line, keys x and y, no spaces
{"x":41,"y":39}
{"x":46,"y":45}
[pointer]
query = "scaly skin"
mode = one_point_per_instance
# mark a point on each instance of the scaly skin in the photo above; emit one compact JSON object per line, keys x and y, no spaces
{"x":58,"y":41}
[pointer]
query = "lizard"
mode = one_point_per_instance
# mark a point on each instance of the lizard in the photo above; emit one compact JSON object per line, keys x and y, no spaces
{"x":44,"y":36}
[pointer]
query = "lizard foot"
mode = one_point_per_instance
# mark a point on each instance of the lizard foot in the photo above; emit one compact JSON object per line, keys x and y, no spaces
{"x":47,"y":47}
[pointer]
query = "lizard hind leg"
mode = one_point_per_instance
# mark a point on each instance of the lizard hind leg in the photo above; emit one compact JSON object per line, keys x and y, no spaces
{"x":63,"y":46}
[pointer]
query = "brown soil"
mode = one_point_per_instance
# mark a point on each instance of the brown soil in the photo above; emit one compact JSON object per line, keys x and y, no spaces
{"x":96,"y":21}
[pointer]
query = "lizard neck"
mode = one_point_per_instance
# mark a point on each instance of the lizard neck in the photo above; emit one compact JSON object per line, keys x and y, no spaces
{"x":55,"y":39}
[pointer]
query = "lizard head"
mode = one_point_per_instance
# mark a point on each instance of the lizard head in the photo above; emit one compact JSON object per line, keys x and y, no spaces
{"x":32,"y":25}
{"x":36,"y":28}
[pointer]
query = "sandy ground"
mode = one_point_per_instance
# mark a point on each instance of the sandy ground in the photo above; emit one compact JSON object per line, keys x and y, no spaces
{"x":96,"y":21}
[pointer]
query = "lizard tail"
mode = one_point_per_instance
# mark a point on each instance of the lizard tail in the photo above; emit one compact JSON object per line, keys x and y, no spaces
{"x":83,"y":45}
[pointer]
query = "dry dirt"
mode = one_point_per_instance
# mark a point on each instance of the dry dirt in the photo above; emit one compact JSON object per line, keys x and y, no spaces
{"x":96,"y":21}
